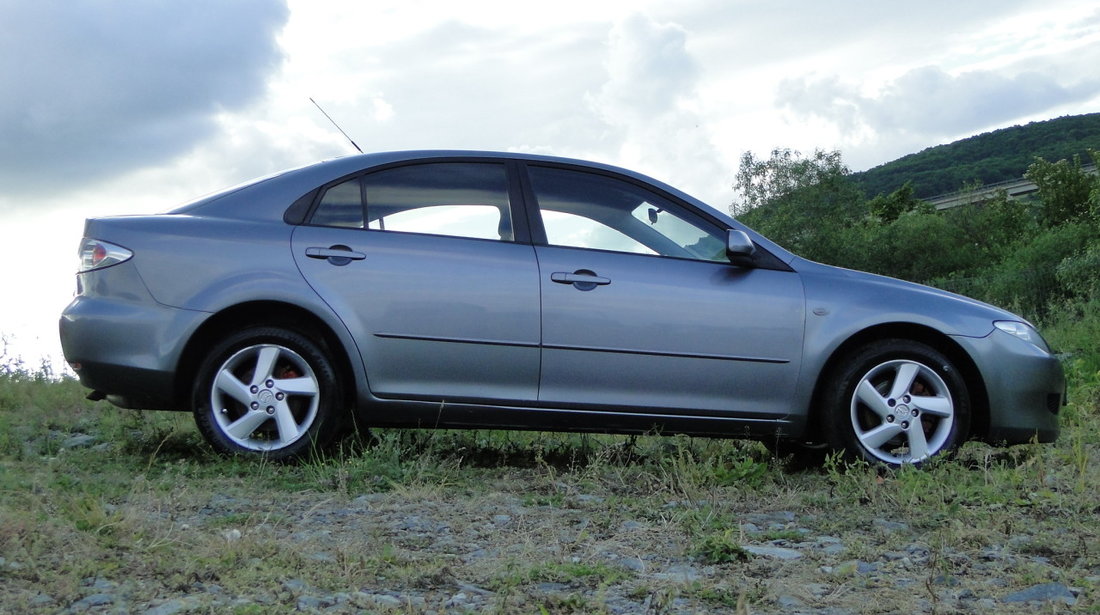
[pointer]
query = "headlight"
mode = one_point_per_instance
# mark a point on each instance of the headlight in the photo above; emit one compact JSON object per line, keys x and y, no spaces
{"x":96,"y":254}
{"x":1023,"y":331}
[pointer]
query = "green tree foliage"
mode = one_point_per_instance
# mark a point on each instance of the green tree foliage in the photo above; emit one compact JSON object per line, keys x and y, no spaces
{"x":1065,"y":189}
{"x":987,"y":158}
{"x":799,"y":201}
{"x":903,"y":200}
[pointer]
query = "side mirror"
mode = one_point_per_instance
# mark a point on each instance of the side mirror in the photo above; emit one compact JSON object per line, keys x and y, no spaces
{"x":739,"y":247}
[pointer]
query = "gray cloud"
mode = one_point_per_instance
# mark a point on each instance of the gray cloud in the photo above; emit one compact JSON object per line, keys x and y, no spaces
{"x":93,"y":89}
{"x":931,"y":102}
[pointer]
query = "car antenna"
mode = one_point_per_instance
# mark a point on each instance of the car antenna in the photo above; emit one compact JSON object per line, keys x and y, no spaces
{"x":353,"y":144}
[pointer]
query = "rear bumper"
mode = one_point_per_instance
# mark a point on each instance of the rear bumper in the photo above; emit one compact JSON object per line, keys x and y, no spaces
{"x":1025,"y":385}
{"x":128,"y":351}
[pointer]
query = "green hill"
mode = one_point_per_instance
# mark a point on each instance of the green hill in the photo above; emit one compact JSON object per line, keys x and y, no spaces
{"x":987,"y":158}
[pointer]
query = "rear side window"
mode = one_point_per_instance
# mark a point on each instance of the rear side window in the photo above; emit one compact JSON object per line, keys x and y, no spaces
{"x":341,"y":205}
{"x":459,"y":199}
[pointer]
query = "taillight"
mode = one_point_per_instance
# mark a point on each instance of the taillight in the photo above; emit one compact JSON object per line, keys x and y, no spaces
{"x":96,"y":254}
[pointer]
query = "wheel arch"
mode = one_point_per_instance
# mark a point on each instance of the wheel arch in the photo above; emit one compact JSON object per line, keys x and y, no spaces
{"x":262,"y":313}
{"x":979,"y":398}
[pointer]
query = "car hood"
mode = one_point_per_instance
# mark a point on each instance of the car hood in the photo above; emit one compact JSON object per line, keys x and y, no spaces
{"x":873,"y":299}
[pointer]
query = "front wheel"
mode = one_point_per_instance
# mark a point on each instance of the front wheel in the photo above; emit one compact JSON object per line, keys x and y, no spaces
{"x":267,"y":392}
{"x":896,"y":402}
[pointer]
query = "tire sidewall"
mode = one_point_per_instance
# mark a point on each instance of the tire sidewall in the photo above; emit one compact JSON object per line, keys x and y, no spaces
{"x":320,"y":432}
{"x":847,"y":376}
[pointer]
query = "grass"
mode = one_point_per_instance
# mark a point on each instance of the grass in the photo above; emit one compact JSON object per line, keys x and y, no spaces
{"x":539,"y":522}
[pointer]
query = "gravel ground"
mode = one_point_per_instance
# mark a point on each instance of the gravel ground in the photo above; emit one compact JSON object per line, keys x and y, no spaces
{"x":496,"y":551}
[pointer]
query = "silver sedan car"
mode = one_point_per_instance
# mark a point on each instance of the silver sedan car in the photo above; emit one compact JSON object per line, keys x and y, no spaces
{"x":507,"y":291}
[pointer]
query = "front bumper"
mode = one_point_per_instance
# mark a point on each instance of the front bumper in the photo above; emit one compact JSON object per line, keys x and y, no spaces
{"x":1025,"y":385}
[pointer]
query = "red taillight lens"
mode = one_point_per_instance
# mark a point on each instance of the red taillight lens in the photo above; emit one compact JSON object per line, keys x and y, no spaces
{"x":99,"y":252}
{"x":96,"y":254}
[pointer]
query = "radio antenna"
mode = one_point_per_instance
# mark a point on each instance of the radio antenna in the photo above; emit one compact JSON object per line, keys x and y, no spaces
{"x":335,"y":124}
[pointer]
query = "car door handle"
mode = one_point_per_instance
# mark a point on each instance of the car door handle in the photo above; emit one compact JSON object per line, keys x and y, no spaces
{"x":582,"y":279}
{"x":337,"y":255}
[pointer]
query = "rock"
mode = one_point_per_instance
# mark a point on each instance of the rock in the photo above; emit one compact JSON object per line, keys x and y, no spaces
{"x":474,"y":589}
{"x":789,"y":602}
{"x":833,"y":549}
{"x":42,"y":600}
{"x":379,"y":600}
{"x":81,"y":440}
{"x":365,"y":501}
{"x":866,"y":568}
{"x":501,"y":519}
{"x":1045,"y":592}
{"x":680,"y":574}
{"x":781,"y":553}
{"x":769,"y":519}
{"x":634,"y":564}
{"x":295,"y":585}
{"x":90,"y":602}
{"x":313,"y":603}
{"x":171,"y":607}
{"x":890,"y":526}
{"x":949,"y":581}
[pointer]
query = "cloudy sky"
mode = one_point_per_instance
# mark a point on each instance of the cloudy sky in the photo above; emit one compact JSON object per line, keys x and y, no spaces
{"x":134,"y":106}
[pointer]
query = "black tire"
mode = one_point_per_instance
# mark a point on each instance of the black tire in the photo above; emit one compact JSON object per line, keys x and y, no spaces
{"x":293,"y":407}
{"x":894,"y":402}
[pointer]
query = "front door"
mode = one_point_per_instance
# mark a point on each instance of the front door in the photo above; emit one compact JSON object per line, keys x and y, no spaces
{"x":643,"y":311}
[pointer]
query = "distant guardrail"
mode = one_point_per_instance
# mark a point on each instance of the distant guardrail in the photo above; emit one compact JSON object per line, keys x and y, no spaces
{"x":1013,"y":188}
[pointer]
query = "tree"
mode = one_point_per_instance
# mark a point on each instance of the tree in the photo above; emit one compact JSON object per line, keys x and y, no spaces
{"x":1065,"y":189}
{"x":887,"y":208}
{"x":801,"y":202}
{"x":763,"y":181}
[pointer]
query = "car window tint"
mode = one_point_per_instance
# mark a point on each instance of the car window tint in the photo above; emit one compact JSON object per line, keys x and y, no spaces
{"x":576,"y":231}
{"x":445,"y":198}
{"x":619,"y":216}
{"x":701,"y":243}
{"x":341,"y":205}
{"x":478,"y":221}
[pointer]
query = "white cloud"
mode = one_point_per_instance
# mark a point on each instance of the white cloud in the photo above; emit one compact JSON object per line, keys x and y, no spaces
{"x":647,"y":102}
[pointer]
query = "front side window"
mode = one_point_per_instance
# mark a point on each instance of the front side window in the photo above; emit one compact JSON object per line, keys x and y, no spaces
{"x":588,"y":210}
{"x":459,"y":199}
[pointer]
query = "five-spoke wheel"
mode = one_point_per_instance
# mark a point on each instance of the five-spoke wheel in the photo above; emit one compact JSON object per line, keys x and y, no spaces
{"x":267,"y":391}
{"x":897,"y":402}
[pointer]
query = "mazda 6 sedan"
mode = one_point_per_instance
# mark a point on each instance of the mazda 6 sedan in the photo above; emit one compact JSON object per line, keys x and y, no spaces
{"x":508,"y":291}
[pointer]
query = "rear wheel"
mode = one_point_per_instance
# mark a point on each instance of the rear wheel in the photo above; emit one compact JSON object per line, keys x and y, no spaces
{"x":895,"y":402}
{"x":268,"y":392}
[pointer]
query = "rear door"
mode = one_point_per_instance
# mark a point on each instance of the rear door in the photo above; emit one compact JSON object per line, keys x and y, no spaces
{"x":643,"y":311}
{"x":420,"y":263}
